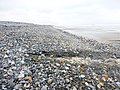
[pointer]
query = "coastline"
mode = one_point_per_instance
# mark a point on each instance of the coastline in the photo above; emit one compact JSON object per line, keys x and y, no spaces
{"x":99,"y":35}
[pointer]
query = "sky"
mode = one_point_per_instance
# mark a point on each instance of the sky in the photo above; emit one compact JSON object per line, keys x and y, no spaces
{"x":61,"y":12}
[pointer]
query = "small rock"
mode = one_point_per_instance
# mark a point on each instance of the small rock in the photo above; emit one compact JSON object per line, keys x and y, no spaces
{"x":50,"y":81}
{"x":82,"y":76}
{"x":57,"y":64}
{"x":81,"y":69}
{"x":100,"y":85}
{"x":21,"y":75}
{"x":17,"y":86}
{"x":118,"y":83}
{"x":10,"y":72}
{"x":29,"y":78}
{"x":44,"y":87}
{"x":5,"y":56}
{"x":68,"y":65}
{"x":22,"y":61}
{"x":37,"y":83}
{"x":66,"y":68}
{"x":67,"y":80}
{"x":27,"y":85}
{"x":12,"y":62}
{"x":74,"y":88}
{"x":62,"y":61}
{"x":105,"y":77}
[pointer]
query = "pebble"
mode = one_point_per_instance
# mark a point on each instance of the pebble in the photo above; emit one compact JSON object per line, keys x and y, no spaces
{"x":68,"y":65}
{"x":118,"y":83}
{"x":66,"y":68}
{"x":17,"y":86}
{"x":21,"y":75}
{"x":3,"y":87}
{"x":28,"y":78}
{"x":50,"y":81}
{"x":5,"y":56}
{"x":57,"y":64}
{"x":12,"y":62}
{"x":105,"y":77}
{"x":27,"y":85}
{"x":82,"y":76}
{"x":74,"y":88}
{"x":8,"y":51}
{"x":22,"y":62}
{"x":89,"y":85}
{"x":44,"y":87}
{"x":23,"y":71}
{"x":10,"y":72}
{"x":67,"y":80}
{"x":100,"y":85}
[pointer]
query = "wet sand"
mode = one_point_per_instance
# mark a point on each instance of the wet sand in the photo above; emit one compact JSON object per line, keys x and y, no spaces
{"x":110,"y":36}
{"x":101,"y":35}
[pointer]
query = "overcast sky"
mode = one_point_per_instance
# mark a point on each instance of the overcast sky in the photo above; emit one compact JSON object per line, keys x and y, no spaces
{"x":61,"y":12}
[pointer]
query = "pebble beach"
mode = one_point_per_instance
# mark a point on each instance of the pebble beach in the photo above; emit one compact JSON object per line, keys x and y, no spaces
{"x":27,"y":61}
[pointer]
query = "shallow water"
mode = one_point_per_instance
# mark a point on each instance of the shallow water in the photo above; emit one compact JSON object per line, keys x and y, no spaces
{"x":102,"y":34}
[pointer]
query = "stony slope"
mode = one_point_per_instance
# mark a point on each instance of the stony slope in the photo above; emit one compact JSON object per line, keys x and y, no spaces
{"x":47,"y":38}
{"x":20,"y":70}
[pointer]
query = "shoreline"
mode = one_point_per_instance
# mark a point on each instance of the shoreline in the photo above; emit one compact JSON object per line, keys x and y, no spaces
{"x":98,"y":35}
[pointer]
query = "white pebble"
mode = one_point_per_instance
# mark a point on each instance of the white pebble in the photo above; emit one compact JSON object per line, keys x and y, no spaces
{"x":82,"y":76}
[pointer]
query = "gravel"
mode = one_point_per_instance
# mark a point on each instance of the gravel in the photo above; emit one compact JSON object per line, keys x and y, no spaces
{"x":41,"y":57}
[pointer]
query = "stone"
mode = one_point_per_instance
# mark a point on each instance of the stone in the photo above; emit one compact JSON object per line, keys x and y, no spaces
{"x":118,"y":83}
{"x":10,"y":72}
{"x":28,"y":78}
{"x":82,"y":76}
{"x":5,"y":56}
{"x":12,"y":62}
{"x":17,"y":86}
{"x":44,"y":87}
{"x":66,"y":68}
{"x":100,"y":85}
{"x":57,"y":64}
{"x":3,"y":87}
{"x":37,"y":83}
{"x":21,"y":75}
{"x":8,"y":51}
{"x":50,"y":81}
{"x":82,"y":69}
{"x":26,"y":85}
{"x":62,"y":61}
{"x":68,"y":65}
{"x":22,"y":61}
{"x":74,"y":88}
{"x":67,"y":80}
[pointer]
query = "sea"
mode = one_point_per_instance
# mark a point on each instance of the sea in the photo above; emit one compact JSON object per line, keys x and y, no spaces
{"x":104,"y":34}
